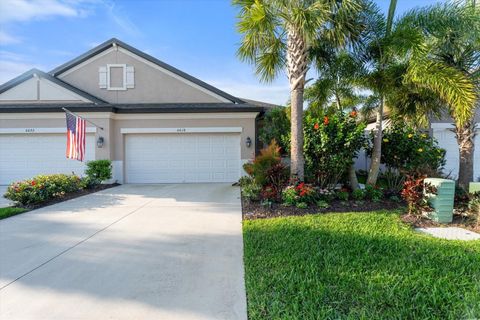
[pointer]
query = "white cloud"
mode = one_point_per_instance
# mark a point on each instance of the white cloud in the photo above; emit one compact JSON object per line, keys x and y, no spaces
{"x":6,"y":38}
{"x":12,"y":65}
{"x":24,"y":10}
{"x":120,"y":18}
{"x":277,"y":93}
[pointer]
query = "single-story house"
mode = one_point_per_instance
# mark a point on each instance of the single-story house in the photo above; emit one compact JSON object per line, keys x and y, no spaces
{"x":442,"y":129}
{"x":156,"y":123}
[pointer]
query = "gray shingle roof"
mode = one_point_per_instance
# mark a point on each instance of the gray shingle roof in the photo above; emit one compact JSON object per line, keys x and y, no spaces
{"x":109,"y":43}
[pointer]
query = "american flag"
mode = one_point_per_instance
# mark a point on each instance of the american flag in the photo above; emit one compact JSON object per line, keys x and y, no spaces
{"x":75,"y":137}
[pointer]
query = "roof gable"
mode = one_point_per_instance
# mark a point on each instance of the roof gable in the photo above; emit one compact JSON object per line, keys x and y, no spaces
{"x":114,"y":43}
{"x":38,"y":86}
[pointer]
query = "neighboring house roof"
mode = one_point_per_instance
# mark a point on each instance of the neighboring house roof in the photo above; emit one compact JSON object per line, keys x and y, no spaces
{"x":134,"y":108}
{"x":261,"y":103}
{"x":107,"y":44}
{"x":29,"y":74}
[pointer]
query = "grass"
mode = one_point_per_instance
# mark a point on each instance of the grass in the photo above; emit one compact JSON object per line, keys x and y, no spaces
{"x":357,"y":266}
{"x":10,"y":211}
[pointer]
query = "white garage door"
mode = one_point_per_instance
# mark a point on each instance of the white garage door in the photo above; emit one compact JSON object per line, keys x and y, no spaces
{"x":446,"y":139}
{"x":23,"y":156}
{"x":182,"y":158}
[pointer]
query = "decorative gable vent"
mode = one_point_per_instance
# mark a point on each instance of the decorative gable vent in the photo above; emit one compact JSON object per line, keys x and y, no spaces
{"x":116,"y":77}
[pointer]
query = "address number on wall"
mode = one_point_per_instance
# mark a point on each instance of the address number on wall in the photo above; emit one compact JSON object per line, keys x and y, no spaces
{"x":29,"y":130}
{"x":181,"y":130}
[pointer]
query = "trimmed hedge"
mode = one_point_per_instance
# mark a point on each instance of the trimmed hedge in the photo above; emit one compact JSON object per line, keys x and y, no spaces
{"x":42,"y":188}
{"x":99,"y":170}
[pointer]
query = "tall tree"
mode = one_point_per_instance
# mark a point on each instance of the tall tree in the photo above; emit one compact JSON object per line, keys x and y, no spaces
{"x":446,"y":60}
{"x":378,"y":57}
{"x":278,"y":34}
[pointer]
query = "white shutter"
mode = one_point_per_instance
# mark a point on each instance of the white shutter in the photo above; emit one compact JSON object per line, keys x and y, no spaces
{"x":102,"y":77}
{"x":130,"y":77}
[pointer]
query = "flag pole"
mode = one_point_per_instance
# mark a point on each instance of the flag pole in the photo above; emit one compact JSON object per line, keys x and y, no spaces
{"x":76,"y":115}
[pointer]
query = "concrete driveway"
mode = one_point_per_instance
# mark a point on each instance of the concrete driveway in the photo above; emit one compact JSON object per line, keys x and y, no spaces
{"x":3,"y":202}
{"x":131,"y":252}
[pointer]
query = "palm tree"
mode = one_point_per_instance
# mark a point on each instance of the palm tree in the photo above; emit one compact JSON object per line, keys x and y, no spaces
{"x":335,"y":88}
{"x":446,"y":60}
{"x":278,"y":34}
{"x":377,"y":54}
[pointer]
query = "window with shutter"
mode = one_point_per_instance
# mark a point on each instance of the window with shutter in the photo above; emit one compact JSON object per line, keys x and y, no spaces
{"x":130,"y":77}
{"x":102,"y":77}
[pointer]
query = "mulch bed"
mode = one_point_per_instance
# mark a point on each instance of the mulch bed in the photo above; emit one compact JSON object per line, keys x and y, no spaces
{"x":255,"y":210}
{"x":458,"y":221}
{"x":70,"y":196}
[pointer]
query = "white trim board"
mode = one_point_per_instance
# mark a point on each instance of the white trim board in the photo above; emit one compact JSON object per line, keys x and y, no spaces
{"x":131,"y":116}
{"x":39,"y":130}
{"x":182,"y":130}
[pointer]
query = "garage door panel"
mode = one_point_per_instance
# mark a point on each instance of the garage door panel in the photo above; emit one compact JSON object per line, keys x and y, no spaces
{"x":23,"y":156}
{"x":182,"y":158}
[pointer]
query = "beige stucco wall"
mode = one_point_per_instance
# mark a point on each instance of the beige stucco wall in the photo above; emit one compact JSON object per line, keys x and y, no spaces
{"x":151,"y":84}
{"x":112,"y":124}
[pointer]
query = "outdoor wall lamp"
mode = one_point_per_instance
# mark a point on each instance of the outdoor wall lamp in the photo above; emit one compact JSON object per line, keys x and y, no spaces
{"x":100,"y":141}
{"x":248,"y":142}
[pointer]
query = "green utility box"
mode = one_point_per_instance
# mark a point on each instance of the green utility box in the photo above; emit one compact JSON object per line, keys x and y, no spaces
{"x":442,"y":201}
{"x":474,"y":187}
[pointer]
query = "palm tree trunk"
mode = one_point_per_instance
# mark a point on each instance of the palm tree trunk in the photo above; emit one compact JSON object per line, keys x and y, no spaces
{"x":297,"y":64}
{"x":352,"y":177}
{"x":377,"y":146}
{"x":296,"y":144}
{"x":465,"y":138}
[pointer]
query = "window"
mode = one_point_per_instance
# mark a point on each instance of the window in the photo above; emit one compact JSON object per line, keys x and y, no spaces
{"x":116,"y":77}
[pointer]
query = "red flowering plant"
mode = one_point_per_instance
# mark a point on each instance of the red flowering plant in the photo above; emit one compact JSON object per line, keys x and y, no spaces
{"x":299,"y":192}
{"x":330,"y":148}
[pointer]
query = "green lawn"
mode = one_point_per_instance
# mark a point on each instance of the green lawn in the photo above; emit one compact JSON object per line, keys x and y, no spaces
{"x":9,"y":211}
{"x":357,"y":266}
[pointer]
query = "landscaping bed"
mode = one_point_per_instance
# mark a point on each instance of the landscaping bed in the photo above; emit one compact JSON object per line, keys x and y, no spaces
{"x":255,"y":210}
{"x":69,"y":196}
{"x":460,"y":221}
{"x":367,"y":265}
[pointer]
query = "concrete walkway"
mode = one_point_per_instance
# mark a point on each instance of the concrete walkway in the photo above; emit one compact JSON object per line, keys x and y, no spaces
{"x":131,"y":252}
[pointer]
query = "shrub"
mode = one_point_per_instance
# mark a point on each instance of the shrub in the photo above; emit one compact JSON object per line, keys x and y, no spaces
{"x":410,"y":151}
{"x":326,"y":194}
{"x":474,"y":207}
{"x":373,"y":193}
{"x":99,"y":170}
{"x":302,"y":205}
{"x":413,"y":193}
{"x":43,"y":188}
{"x":322,"y":204}
{"x":267,"y":168}
{"x":358,"y":194}
{"x":301,"y":192}
{"x":276,"y":126}
{"x":330,"y":145}
{"x":342,"y":195}
{"x":250,"y":189}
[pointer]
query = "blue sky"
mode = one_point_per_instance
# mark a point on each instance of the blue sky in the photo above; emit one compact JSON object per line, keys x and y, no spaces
{"x":196,"y":36}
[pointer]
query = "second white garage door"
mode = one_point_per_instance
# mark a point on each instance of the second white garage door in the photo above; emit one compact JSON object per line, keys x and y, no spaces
{"x":24,"y":156}
{"x":182,"y":158}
